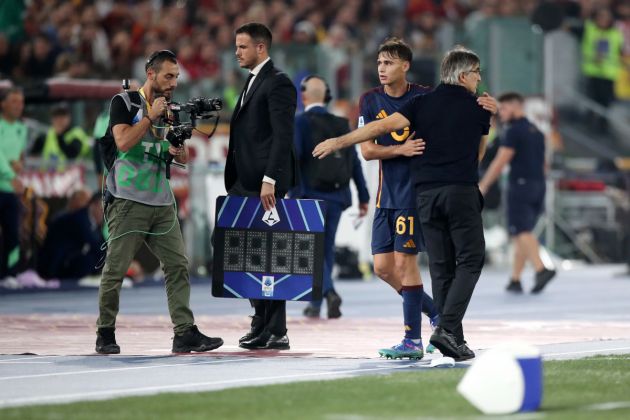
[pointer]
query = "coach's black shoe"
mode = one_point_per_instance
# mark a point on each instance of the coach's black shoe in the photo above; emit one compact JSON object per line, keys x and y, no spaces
{"x":256,"y":343}
{"x":514,"y":286}
{"x":445,"y":342}
{"x":333,"y":302}
{"x":255,"y":330}
{"x":465,"y":353}
{"x":542,"y":278}
{"x":106,"y":341}
{"x":277,"y":342}
{"x":193,"y":340}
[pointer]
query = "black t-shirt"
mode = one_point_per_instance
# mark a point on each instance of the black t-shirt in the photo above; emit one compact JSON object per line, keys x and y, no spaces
{"x":452,"y":124}
{"x":119,"y":114}
{"x":529,"y":150}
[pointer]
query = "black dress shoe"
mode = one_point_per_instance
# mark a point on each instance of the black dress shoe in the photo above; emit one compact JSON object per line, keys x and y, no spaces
{"x":255,"y":330}
{"x":258,"y":342}
{"x":465,"y":353}
{"x":445,"y":342}
{"x":333,"y":302}
{"x":277,"y":342}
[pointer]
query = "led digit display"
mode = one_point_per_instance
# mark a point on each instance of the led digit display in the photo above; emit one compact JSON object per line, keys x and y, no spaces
{"x":269,"y":252}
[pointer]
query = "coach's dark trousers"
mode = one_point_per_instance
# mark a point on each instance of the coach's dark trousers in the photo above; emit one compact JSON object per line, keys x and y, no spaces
{"x":273,"y":313}
{"x":453,"y":231}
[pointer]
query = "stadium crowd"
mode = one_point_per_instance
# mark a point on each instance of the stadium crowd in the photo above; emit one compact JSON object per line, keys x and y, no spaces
{"x":109,"y":38}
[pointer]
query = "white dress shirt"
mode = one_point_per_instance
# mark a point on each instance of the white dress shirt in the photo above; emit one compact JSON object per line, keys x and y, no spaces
{"x":255,"y":72}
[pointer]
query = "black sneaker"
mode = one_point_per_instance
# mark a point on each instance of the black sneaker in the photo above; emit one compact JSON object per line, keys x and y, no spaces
{"x":311,"y":311}
{"x":542,"y":278}
{"x":333,"y":302}
{"x":465,"y":353}
{"x":514,"y":286}
{"x":106,"y":341}
{"x":193,"y":340}
{"x":445,"y":342}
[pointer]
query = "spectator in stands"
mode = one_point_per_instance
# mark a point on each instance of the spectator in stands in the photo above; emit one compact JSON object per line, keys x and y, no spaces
{"x":6,"y":60}
{"x":509,"y":8}
{"x":622,"y":11}
{"x":602,"y":45}
{"x":486,"y":10}
{"x":71,"y":249}
{"x":311,"y":126}
{"x":304,"y":33}
{"x":523,"y":148}
{"x":40,"y":63}
{"x":62,"y":142}
{"x":13,"y":135}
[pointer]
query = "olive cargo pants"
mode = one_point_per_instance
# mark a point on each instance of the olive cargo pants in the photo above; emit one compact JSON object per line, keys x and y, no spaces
{"x":130,"y":216}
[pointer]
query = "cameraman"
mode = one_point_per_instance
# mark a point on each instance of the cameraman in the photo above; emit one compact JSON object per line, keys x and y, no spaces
{"x":139,"y":205}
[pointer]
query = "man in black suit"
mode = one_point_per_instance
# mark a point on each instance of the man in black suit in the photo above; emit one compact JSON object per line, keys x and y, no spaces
{"x":261,"y":159}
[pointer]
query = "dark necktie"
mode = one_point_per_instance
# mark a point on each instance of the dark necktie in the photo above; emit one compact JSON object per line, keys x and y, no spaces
{"x":246,"y":88}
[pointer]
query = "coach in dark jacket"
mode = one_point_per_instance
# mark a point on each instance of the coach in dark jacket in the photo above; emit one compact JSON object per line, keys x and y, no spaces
{"x":261,"y":160}
{"x":453,"y":125}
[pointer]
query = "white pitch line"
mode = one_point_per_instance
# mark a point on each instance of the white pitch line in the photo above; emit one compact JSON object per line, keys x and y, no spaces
{"x":112,"y":393}
{"x":614,"y":405}
{"x":29,"y":358}
{"x":29,"y":363}
{"x":83,"y":372}
{"x":584,"y":352}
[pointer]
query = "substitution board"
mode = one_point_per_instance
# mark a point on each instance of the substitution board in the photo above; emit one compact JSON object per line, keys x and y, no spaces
{"x":276,"y":254}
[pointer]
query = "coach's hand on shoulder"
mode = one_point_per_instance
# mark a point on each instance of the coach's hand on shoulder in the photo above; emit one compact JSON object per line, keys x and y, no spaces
{"x":267,"y":196}
{"x":412,"y":147}
{"x":325,"y":148}
{"x":488,"y":103}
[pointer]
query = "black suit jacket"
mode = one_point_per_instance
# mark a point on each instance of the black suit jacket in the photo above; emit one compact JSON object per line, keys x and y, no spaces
{"x":261,"y":133}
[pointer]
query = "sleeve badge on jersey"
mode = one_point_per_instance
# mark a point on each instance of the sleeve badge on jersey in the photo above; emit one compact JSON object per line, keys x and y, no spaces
{"x":361,"y":121}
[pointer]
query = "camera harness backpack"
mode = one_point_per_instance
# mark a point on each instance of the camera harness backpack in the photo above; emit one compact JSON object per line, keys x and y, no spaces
{"x":333,"y":172}
{"x":107,"y":145}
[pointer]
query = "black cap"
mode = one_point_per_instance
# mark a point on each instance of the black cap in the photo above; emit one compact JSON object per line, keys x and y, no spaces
{"x":60,"y":109}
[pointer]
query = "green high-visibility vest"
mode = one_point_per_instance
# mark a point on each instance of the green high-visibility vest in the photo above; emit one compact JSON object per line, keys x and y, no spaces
{"x":605,"y":44}
{"x":52,"y":151}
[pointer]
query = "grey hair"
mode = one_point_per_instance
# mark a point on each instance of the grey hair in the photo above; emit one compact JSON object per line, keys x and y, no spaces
{"x":457,"y":61}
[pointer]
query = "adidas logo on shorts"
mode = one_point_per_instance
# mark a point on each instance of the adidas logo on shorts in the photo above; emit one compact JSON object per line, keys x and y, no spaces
{"x":409,"y":244}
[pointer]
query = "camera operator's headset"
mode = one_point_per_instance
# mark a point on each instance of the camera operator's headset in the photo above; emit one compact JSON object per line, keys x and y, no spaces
{"x":152,"y":58}
{"x":327,"y":95}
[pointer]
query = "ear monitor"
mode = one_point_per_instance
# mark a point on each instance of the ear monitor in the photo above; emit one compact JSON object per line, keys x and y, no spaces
{"x":327,"y":95}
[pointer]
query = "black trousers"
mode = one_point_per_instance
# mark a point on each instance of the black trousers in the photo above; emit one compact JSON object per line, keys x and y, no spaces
{"x":601,"y":90}
{"x":273,"y":313}
{"x":450,"y":217}
{"x":9,"y":232}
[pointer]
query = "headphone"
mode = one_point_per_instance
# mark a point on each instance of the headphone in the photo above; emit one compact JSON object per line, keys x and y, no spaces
{"x":327,"y":95}
{"x":159,"y":54}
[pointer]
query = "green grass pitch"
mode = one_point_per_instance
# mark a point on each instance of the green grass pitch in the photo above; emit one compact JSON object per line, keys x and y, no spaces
{"x":593,"y":388}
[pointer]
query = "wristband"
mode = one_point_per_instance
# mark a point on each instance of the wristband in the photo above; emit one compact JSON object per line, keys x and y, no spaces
{"x":147,"y":117}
